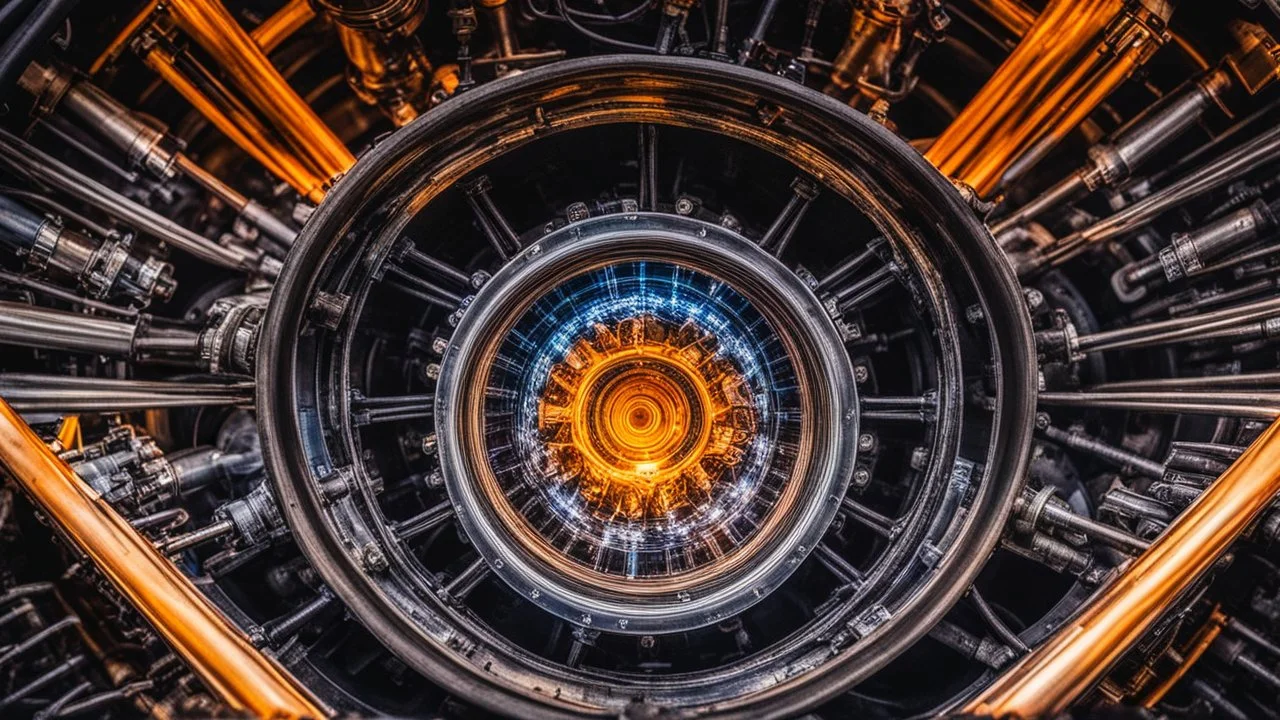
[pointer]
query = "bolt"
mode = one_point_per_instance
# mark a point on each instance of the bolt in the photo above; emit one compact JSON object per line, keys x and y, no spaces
{"x":866,"y":442}
{"x":861,"y":477}
{"x":684,"y":206}
{"x":374,"y":559}
{"x":431,"y":371}
{"x":429,"y":444}
{"x":439,"y":345}
{"x":861,"y":374}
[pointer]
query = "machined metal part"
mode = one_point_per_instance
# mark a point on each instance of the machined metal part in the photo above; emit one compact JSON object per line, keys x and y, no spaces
{"x":553,"y":358}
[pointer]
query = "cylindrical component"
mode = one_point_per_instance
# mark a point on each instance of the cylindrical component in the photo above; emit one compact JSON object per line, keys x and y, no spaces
{"x":144,"y":145}
{"x":29,"y":160}
{"x":177,"y":544}
{"x":499,"y":12}
{"x":1153,"y":130}
{"x":290,"y":18}
{"x":249,"y":681}
{"x":67,"y":394}
{"x":1189,"y":252}
{"x":388,"y":65}
{"x":1229,"y":166}
{"x":869,"y":66}
{"x":102,"y":268}
{"x":214,"y":29}
{"x":1072,"y":57}
{"x":764,"y":18}
{"x":1097,"y":448}
{"x":1114,"y":161}
{"x":254,"y":213}
{"x":1050,"y":678}
{"x":243,"y":129}
{"x":57,"y":330}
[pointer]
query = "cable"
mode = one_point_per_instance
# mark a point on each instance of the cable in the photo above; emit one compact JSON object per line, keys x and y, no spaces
{"x":590,"y":17}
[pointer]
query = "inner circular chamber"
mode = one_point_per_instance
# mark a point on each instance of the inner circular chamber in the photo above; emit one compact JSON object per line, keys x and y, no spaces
{"x":642,"y":419}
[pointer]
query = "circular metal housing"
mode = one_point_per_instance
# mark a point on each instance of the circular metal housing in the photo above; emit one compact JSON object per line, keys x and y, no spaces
{"x":360,"y":452}
{"x":753,"y":524}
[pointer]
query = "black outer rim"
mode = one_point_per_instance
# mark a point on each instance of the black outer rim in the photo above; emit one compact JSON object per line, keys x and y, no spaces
{"x":1003,"y":309}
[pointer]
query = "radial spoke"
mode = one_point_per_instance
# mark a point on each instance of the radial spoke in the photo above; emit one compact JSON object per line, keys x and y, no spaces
{"x":864,"y":291}
{"x":921,"y":408}
{"x":779,"y":234}
{"x":880,"y":524}
{"x":367,"y":411}
{"x":424,"y":522}
{"x":648,"y":167}
{"x":492,"y":222}
{"x":460,"y":586}
{"x":423,"y":289}
{"x":847,"y":574}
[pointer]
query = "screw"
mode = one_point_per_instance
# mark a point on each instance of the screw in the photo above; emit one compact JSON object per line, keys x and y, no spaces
{"x":684,"y":206}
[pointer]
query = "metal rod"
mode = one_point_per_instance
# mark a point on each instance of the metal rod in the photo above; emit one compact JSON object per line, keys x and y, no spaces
{"x":49,"y":329}
{"x":33,"y":162}
{"x":1048,"y":680}
{"x":1263,"y":406}
{"x":64,"y":394}
{"x":212,"y":27}
{"x":247,"y":680}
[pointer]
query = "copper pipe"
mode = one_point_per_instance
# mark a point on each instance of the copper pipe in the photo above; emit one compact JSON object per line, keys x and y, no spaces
{"x":244,"y":129}
{"x":286,"y":21}
{"x":1015,"y":16}
{"x":214,"y":29}
{"x":1072,"y":57}
{"x":1052,"y":677}
{"x":118,"y":43}
{"x":1203,"y":638}
{"x":249,"y":682}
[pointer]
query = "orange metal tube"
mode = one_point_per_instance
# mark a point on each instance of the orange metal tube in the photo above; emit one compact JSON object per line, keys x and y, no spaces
{"x":1047,"y":681}
{"x":117,"y":44}
{"x":244,"y":130}
{"x":1052,"y":80}
{"x":214,"y":29}
{"x":1016,"y":17}
{"x":286,"y":21}
{"x":250,"y":682}
{"x":1195,"y":650}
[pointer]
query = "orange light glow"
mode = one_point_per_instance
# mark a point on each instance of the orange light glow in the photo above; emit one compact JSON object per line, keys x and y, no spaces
{"x":644,"y":417}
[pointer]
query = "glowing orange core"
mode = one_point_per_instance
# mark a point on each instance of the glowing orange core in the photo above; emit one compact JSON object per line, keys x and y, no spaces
{"x":644,"y":418}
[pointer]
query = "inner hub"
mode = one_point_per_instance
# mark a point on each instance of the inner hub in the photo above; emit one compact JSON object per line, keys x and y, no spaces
{"x":627,"y":435}
{"x":651,"y":441}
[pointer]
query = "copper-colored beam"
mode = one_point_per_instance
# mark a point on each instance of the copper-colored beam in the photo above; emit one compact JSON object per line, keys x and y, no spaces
{"x":1071,"y":57}
{"x":125,"y":35}
{"x":1014,"y":15}
{"x":1052,"y":677}
{"x":1195,"y":649}
{"x":249,"y":681}
{"x":213,"y":28}
{"x":286,"y":21}
{"x":243,"y":129}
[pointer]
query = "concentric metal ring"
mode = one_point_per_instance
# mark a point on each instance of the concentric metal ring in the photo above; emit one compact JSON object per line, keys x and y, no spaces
{"x":804,"y":481}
